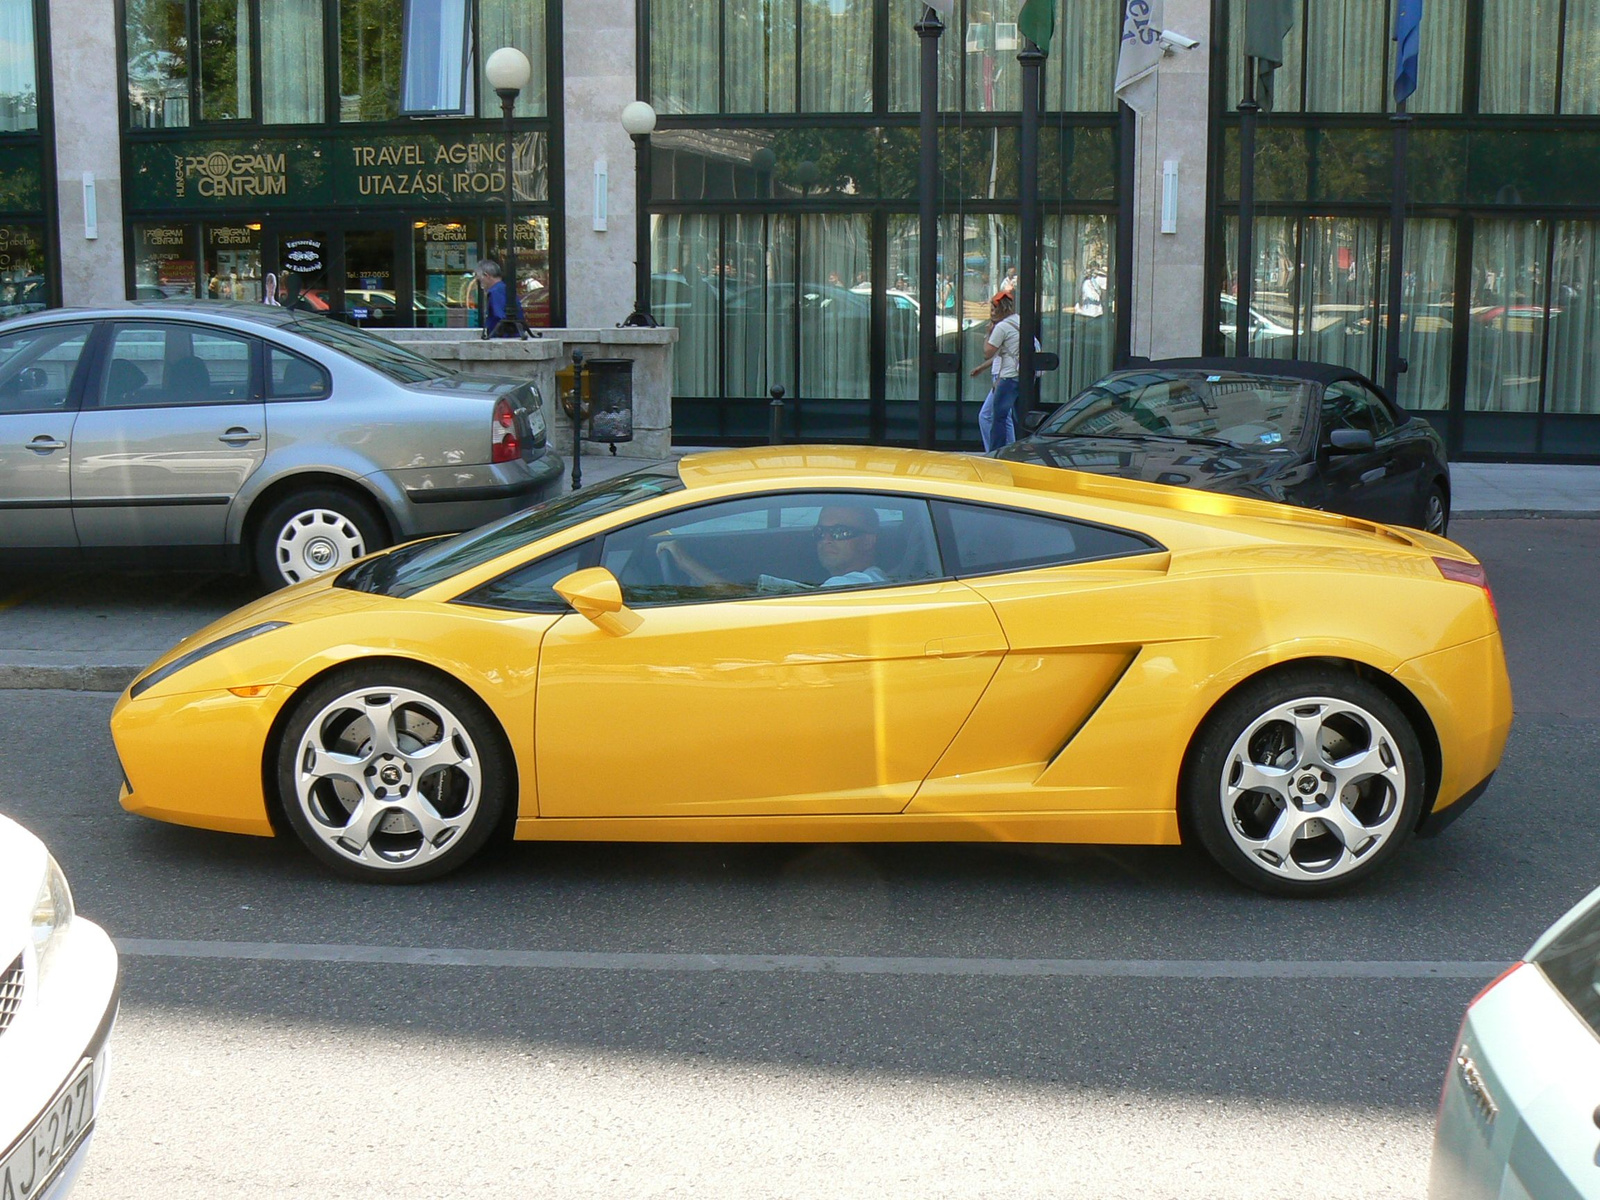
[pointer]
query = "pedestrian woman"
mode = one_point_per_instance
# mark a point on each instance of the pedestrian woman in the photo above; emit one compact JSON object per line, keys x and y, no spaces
{"x":1000,"y":356}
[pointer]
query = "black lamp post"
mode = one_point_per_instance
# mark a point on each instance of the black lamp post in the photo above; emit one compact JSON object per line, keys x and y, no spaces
{"x":508,"y":71}
{"x":929,"y":28}
{"x":639,"y":119}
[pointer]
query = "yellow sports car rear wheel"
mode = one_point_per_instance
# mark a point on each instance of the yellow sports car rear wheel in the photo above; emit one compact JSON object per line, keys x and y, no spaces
{"x":391,"y":773}
{"x":1305,"y":781}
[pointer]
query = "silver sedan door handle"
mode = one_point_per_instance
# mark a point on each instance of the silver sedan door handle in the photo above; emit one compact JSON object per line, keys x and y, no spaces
{"x":238,"y":436}
{"x":45,"y":442}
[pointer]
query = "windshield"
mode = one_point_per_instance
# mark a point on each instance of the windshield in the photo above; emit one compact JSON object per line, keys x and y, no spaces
{"x":1253,"y":411}
{"x":1572,"y":963}
{"x":398,"y":363}
{"x":409,"y":569}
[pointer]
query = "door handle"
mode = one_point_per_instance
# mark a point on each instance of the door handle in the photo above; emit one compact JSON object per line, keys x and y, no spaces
{"x":239,"y":436}
{"x":1374,"y":475}
{"x":44,"y":442}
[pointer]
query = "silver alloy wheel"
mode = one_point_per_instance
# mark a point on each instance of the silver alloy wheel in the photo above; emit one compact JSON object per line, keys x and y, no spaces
{"x":1312,"y":788}
{"x":317,"y":540}
{"x":1433,"y":521}
{"x":388,"y":777}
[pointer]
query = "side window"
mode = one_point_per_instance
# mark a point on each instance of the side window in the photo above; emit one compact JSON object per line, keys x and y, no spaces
{"x":36,"y":367}
{"x":291,"y":377}
{"x":773,"y":546}
{"x":1348,"y":405}
{"x":985,"y":541}
{"x":531,"y":587}
{"x":160,"y":364}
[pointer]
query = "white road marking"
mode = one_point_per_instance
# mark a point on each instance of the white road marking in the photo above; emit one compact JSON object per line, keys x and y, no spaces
{"x":813,"y":964}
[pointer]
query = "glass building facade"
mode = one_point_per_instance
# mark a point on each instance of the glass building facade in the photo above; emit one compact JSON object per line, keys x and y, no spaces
{"x":783,"y":207}
{"x":1501,"y":275}
{"x":29,"y":275}
{"x":342,"y":156}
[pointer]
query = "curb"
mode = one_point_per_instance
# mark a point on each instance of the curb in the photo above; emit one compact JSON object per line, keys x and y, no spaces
{"x":1524,"y":514}
{"x":75,"y":677}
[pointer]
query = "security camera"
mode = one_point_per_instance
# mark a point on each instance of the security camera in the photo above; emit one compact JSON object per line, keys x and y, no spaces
{"x":1170,"y":40}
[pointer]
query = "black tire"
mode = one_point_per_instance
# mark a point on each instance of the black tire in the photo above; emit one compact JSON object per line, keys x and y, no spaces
{"x":1226,"y":816}
{"x":1436,"y":512}
{"x":474,"y":796}
{"x":303,"y":525}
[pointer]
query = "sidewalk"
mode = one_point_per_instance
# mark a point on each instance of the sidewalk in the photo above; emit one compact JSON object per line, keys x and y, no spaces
{"x":95,"y":631}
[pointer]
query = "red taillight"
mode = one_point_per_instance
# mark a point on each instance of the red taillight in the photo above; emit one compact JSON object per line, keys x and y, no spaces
{"x":1461,"y":1030}
{"x":1457,"y":571}
{"x":503,"y":444}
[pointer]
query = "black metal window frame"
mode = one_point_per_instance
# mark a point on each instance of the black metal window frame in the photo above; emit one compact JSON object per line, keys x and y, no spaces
{"x":878,"y":210}
{"x":1464,"y":215}
{"x":488,"y":105}
{"x":41,"y":141}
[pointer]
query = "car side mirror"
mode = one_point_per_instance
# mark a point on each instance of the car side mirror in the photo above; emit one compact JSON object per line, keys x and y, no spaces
{"x":34,"y":378}
{"x":1034,"y":419}
{"x":1351,"y":441}
{"x":595,"y":595}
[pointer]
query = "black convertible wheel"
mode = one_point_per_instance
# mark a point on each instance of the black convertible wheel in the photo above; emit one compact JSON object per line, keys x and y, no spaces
{"x":1304,"y":782}
{"x":1436,"y":511}
{"x":392,"y":774}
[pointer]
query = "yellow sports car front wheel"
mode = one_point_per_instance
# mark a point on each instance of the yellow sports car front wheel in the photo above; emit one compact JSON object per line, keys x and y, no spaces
{"x":392,"y":772}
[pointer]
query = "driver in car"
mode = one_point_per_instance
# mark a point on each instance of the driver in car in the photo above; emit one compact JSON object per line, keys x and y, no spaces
{"x":847,"y":546}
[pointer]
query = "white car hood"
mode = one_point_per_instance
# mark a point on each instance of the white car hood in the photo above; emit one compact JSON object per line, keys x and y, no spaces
{"x":22,"y":860}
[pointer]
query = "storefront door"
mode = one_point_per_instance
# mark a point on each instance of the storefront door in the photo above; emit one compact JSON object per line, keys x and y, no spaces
{"x":354,"y":272}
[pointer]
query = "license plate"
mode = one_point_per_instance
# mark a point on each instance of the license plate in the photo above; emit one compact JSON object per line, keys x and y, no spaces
{"x":44,"y":1149}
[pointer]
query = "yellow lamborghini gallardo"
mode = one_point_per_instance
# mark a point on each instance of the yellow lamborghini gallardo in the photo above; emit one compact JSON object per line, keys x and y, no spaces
{"x":847,"y":644}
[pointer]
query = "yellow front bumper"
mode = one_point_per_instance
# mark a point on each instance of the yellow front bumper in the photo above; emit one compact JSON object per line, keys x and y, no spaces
{"x":196,"y":758}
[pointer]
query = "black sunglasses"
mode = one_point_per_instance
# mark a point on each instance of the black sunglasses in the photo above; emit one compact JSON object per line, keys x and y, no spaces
{"x":837,"y":533}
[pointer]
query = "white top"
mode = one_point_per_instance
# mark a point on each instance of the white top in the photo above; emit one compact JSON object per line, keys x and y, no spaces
{"x":776,"y":586}
{"x":1006,"y":338}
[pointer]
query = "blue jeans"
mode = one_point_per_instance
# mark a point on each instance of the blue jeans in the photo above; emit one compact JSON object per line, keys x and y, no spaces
{"x":994,"y":418}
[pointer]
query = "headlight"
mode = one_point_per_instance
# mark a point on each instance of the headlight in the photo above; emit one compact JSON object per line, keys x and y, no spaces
{"x":194,"y":656}
{"x":52,"y":912}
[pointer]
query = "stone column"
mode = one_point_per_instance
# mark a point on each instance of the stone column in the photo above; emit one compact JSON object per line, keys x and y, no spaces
{"x":83,"y":65}
{"x":599,"y":53}
{"x":1169,"y":268}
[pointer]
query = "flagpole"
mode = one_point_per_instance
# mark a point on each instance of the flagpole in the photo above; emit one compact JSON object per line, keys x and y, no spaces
{"x":1249,"y":111}
{"x":928,"y":29}
{"x":1394,"y":365}
{"x":1032,"y":60}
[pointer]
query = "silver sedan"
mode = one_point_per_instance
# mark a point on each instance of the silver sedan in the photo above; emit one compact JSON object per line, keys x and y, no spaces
{"x":275,"y":441}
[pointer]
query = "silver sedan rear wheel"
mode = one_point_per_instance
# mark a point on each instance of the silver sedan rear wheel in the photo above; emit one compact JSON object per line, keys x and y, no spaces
{"x":400,"y":778}
{"x":1306,"y":783}
{"x":315,"y":541}
{"x":313,"y":531}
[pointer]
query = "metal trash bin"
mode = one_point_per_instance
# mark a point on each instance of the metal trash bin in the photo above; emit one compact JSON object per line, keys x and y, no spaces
{"x":608,"y":397}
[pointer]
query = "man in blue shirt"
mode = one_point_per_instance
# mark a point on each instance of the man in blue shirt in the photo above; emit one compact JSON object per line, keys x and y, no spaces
{"x":496,"y":315}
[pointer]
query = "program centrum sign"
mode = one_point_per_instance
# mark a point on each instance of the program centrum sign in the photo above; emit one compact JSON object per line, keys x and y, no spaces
{"x":333,"y":170}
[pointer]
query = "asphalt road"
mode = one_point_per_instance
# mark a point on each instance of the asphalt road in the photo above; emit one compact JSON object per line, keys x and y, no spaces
{"x":600,"y":1020}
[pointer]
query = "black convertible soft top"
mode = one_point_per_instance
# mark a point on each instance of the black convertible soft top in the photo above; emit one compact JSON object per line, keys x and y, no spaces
{"x":1283,"y":368}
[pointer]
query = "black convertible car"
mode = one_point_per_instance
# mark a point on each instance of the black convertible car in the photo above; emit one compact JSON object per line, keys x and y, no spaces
{"x":1301,"y":433}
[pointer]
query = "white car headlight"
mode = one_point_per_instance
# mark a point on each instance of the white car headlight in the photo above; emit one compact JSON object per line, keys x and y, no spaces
{"x":52,"y":913}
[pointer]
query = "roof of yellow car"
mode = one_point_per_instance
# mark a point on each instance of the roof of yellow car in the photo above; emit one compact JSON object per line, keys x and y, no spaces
{"x":767,"y":462}
{"x":815,"y":463}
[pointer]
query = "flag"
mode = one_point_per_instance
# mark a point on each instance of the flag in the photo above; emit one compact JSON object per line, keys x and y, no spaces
{"x":1266,"y":24}
{"x":1142,"y":22}
{"x":1037,"y":22}
{"x":1408,"y":36}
